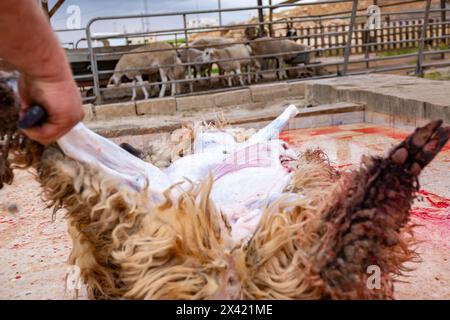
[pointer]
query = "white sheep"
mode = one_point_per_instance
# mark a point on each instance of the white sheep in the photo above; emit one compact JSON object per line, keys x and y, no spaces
{"x":243,"y":59}
{"x":193,"y":55}
{"x":270,"y":46}
{"x":139,"y":62}
{"x":211,"y":42}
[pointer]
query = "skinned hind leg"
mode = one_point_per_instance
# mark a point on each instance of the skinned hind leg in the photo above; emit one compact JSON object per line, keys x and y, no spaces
{"x":318,"y":242}
{"x":365,"y":223}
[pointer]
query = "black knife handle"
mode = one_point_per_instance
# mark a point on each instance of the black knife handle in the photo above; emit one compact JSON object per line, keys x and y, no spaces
{"x":34,"y":117}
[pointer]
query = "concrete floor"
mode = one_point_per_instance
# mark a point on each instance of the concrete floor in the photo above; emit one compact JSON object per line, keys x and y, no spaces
{"x":34,"y":250}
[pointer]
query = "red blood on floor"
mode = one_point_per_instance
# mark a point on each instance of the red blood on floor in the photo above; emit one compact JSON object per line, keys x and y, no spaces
{"x":430,"y":215}
{"x":344,"y":165}
{"x":437,"y":210}
{"x":287,"y":137}
{"x":386,"y":131}
{"x":326,"y":130}
{"x":370,"y":130}
{"x":435,"y":201}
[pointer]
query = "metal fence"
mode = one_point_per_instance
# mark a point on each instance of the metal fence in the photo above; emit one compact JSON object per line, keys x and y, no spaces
{"x":345,"y":49}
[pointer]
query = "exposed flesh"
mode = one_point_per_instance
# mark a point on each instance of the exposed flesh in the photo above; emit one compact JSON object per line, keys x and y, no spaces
{"x":246,"y":175}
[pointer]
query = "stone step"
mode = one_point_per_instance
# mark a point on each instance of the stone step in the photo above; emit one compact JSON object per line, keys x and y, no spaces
{"x":249,"y":95}
{"x":328,"y":114}
{"x":410,"y":98}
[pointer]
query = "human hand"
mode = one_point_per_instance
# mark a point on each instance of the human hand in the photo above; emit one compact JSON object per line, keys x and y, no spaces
{"x":60,"y":97}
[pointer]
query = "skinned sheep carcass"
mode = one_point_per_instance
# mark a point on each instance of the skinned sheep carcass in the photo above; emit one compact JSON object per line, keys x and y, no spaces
{"x":234,"y":59}
{"x":283,"y":51}
{"x":226,"y":230}
{"x":154,"y":59}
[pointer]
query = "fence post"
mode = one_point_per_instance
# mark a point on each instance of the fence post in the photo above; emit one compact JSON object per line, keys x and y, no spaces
{"x":322,"y":37}
{"x":316,"y":37}
{"x":419,"y":68}
{"x":330,"y":40}
{"x":375,"y":31}
{"x":270,"y":19}
{"x":186,"y":39}
{"x":407,"y":37}
{"x":398,"y":35}
{"x":308,"y":31}
{"x":302,"y":34}
{"x":443,"y":25}
{"x":349,"y":37}
{"x":366,"y":42}
{"x":336,"y":39}
{"x":94,"y":66}
{"x":261,"y":19}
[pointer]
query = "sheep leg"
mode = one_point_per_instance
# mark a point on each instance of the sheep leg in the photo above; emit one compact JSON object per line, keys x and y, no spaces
{"x":221,"y":73}
{"x":174,"y":88}
{"x":133,"y":97}
{"x":87,"y":147}
{"x":365,"y":222}
{"x":230,"y":83}
{"x":272,"y":130}
{"x":209,"y":72}
{"x":16,"y":150}
{"x":195,"y":72}
{"x":164,"y":80}
{"x":141,"y":83}
{"x":241,"y":78}
{"x":281,"y":72}
{"x":277,"y":66}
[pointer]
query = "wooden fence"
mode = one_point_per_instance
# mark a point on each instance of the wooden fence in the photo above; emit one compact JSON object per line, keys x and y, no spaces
{"x":392,"y":35}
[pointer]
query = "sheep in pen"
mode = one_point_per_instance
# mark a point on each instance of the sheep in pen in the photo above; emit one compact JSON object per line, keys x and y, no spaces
{"x":232,"y":220}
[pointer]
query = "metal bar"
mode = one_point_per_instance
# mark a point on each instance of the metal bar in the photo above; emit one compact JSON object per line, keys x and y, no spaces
{"x":154,"y":15}
{"x":56,"y":7}
{"x":290,"y":52}
{"x":262,"y":32}
{"x":350,"y":37}
{"x":219,"y":6}
{"x":321,"y":65}
{"x":443,"y":20}
{"x":69,"y":30}
{"x":419,"y":69}
{"x":44,"y":5}
{"x":282,"y":53}
{"x":270,"y":19}
{"x":186,"y":38}
{"x":94,"y":66}
{"x":239,"y":26}
{"x":272,"y":39}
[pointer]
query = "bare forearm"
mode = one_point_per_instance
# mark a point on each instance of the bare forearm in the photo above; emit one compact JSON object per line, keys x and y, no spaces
{"x":28,"y":43}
